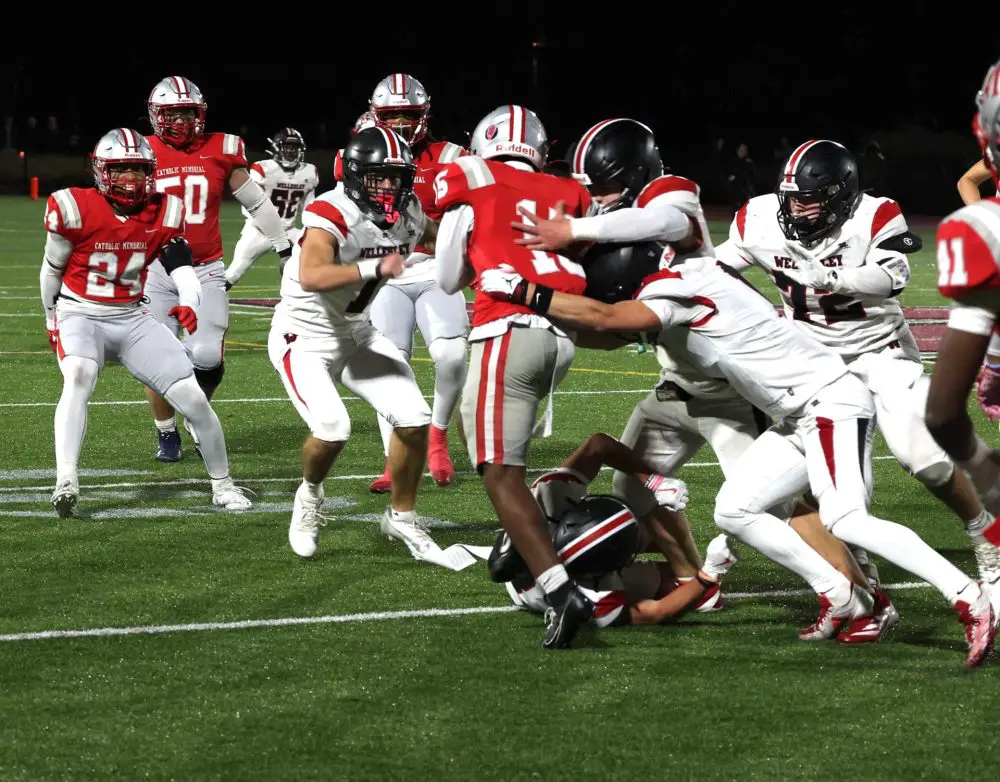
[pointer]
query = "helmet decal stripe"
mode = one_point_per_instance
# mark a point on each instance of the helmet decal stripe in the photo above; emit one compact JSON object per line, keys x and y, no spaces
{"x":795,"y":157}
{"x":581,"y":149}
{"x":524,"y":122}
{"x":181,"y":86}
{"x":390,"y":142}
{"x":606,"y":529}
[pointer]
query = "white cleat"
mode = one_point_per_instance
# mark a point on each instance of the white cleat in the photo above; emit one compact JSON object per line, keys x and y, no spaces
{"x":231,"y":497}
{"x":65,"y":497}
{"x":303,"y":532}
{"x":412,"y":533}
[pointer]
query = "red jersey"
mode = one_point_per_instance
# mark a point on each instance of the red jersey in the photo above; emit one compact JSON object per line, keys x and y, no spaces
{"x":968,"y":251}
{"x":433,"y":157}
{"x":198,"y":174}
{"x":494,"y":191}
{"x":111,"y":252}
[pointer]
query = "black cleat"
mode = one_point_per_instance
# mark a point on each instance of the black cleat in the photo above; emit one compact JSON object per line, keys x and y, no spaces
{"x":564,"y":621}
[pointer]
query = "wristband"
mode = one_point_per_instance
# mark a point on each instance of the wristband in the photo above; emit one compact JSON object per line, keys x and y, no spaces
{"x":370,"y":270}
{"x":541,"y":300}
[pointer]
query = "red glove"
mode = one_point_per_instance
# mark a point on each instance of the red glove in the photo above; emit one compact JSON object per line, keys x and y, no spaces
{"x":988,"y":392}
{"x":53,"y":339}
{"x":186,"y":317}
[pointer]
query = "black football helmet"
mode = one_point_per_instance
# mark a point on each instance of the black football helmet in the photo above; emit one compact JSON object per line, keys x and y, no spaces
{"x":615,"y":271}
{"x":817,"y":191}
{"x":287,"y":148}
{"x":616,"y":153}
{"x":597,"y":536}
{"x":371,"y":158}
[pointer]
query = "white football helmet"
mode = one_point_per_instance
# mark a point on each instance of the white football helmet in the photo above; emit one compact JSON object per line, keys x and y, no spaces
{"x":176,"y":110}
{"x":117,"y":151}
{"x":401,"y":103}
{"x":986,"y":123}
{"x":366,"y":120}
{"x":511,"y":131}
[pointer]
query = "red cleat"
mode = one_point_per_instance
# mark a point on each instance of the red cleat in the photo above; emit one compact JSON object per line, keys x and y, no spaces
{"x":980,"y":627}
{"x":871,"y":629}
{"x":442,"y":470}
{"x":382,"y":485}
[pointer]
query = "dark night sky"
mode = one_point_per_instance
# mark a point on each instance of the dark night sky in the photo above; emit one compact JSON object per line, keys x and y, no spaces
{"x":842,"y":74}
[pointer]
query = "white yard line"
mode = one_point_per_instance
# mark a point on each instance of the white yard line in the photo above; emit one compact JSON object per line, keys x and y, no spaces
{"x":374,"y":616}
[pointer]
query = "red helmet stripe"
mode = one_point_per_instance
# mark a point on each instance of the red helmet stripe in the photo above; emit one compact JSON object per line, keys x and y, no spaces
{"x":390,"y":142}
{"x":796,"y":157}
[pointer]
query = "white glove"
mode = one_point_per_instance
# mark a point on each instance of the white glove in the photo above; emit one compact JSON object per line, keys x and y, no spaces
{"x":810,"y":272}
{"x":503,"y":281}
{"x":719,"y":558}
{"x":671,"y":493}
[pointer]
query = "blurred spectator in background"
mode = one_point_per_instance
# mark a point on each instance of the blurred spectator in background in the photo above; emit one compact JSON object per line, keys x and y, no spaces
{"x":782,"y":151}
{"x":873,"y":171}
{"x":742,"y":178}
{"x":8,"y":132}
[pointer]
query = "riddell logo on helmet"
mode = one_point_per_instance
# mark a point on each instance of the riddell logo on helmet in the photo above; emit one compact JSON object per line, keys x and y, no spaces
{"x":518,"y":149}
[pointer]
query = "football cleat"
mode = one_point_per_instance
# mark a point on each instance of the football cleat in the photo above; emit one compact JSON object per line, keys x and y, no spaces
{"x":65,"y":497}
{"x":438,"y":460}
{"x":871,"y":629}
{"x":563,"y":622}
{"x":383,"y":484}
{"x":170,"y":447}
{"x":980,"y":627}
{"x":833,"y":617}
{"x":303,"y":532}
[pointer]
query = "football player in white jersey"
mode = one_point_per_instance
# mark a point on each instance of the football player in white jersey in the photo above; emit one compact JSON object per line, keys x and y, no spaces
{"x":620,"y":162}
{"x":290,"y":184}
{"x":968,"y":254}
{"x":356,"y":236}
{"x":702,"y":313}
{"x":414,"y":300}
{"x":838,"y":258}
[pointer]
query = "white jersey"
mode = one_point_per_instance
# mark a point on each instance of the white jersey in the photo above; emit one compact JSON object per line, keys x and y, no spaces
{"x":718,"y":324}
{"x":290,"y":191}
{"x":685,"y":195}
{"x":340,"y":312}
{"x":849,"y":324}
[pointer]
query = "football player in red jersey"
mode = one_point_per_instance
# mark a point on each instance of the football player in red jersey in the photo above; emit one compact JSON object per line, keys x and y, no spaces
{"x":400,"y":103}
{"x":518,"y":355}
{"x":196,"y":167}
{"x":968,"y":254}
{"x":100,"y":244}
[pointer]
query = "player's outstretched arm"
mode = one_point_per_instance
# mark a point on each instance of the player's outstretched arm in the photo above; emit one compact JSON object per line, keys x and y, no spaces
{"x":264,"y":213}
{"x":969,"y":182}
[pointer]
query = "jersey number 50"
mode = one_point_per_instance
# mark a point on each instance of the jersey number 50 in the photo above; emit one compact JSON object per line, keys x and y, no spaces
{"x":195,"y":195}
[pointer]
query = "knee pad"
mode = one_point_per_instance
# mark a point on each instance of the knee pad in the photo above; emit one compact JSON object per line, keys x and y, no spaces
{"x":448,"y":353}
{"x":210,"y":377}
{"x":205,"y":356}
{"x":79,"y":372}
{"x":935,"y":475}
{"x":632,"y":493}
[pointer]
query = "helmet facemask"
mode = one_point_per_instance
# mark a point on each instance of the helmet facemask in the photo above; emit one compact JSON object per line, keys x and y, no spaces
{"x":178,"y":124}
{"x":408,"y":122}
{"x":381,"y":191}
{"x":127,"y":183}
{"x":809,"y":216}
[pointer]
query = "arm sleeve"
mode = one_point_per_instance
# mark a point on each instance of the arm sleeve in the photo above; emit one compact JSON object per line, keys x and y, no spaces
{"x":452,"y":240}
{"x":886,"y":278}
{"x":263,"y":212}
{"x":57,"y":252}
{"x":188,"y":286}
{"x":657,"y":220}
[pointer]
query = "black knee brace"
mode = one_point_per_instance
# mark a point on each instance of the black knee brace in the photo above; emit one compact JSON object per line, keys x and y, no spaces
{"x":210,"y":377}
